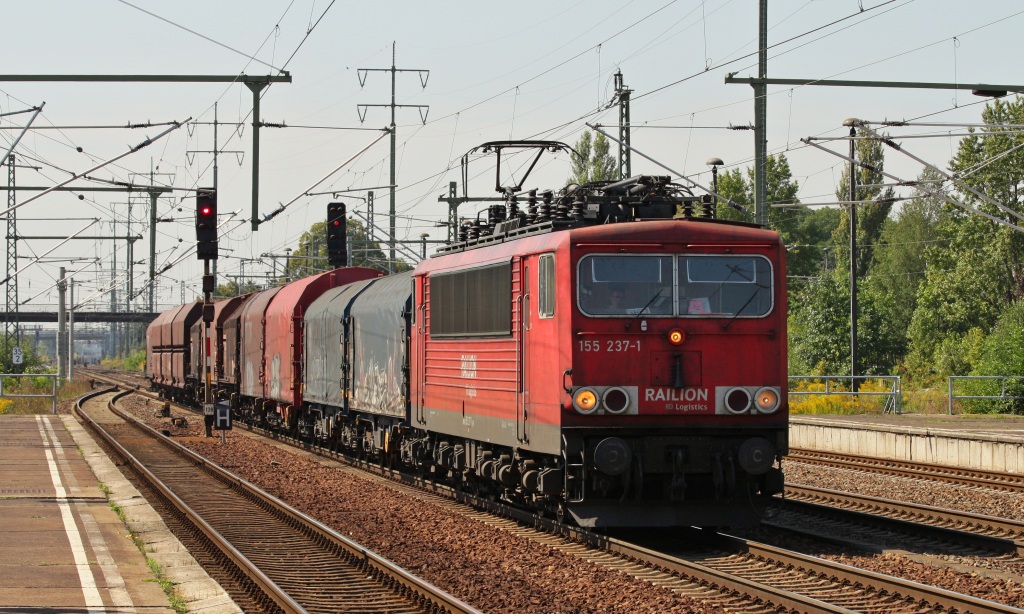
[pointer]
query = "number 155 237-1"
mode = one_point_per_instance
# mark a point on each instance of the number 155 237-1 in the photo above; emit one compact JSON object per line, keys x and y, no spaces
{"x":609,"y":345}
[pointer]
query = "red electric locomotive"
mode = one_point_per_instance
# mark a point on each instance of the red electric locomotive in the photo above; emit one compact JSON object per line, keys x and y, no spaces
{"x":614,"y":359}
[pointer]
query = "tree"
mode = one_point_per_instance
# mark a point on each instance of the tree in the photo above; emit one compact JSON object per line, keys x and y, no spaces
{"x":594,"y":163}
{"x":32,"y":361}
{"x":233,"y":288}
{"x":871,"y":216}
{"x":979,"y":273}
{"x":1002,"y":353}
{"x":806,"y":232}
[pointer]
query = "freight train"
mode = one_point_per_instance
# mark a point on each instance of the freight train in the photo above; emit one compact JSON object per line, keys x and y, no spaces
{"x":611,"y":354}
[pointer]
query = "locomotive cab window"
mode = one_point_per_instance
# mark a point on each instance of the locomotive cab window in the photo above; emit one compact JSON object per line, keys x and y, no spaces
{"x":546,"y":286}
{"x":684,"y":285}
{"x":625,"y":285}
{"x":724,"y":286}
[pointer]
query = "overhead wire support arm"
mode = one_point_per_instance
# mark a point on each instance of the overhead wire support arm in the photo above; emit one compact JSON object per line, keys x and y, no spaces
{"x":924,"y":188}
{"x":35,"y":114}
{"x":132,"y":150}
{"x":981,"y":89}
{"x":951,"y":178}
{"x":49,"y":251}
{"x":336,"y":192}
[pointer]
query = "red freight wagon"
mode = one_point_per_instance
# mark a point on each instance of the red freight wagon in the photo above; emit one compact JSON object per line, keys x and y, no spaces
{"x":180,"y":348}
{"x":282,"y":357}
{"x":222,"y":309}
{"x":153,"y":343}
{"x":250,"y":349}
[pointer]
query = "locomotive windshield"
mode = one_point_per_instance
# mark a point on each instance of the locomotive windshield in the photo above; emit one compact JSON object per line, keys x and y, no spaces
{"x":680,"y":285}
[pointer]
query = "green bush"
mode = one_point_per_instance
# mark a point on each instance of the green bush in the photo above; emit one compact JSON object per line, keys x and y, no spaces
{"x":136,"y":361}
{"x":1001,"y":353}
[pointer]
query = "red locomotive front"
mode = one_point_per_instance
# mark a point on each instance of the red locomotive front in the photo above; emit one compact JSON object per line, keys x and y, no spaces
{"x":620,"y":374}
{"x":678,"y":382}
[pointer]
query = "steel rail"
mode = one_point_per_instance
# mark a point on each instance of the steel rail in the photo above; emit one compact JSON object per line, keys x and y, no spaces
{"x":927,"y":471}
{"x":418,"y":587}
{"x":1009,"y":531}
{"x":257,"y":577}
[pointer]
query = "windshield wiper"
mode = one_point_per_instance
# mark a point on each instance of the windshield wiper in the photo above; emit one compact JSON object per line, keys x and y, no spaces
{"x":757,"y":289}
{"x":641,"y":312}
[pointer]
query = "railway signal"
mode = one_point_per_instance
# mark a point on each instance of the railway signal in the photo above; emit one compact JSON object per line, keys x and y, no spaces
{"x":337,"y":254}
{"x":206,"y":224}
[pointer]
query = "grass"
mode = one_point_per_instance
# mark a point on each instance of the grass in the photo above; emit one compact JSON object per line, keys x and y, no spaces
{"x":175,"y":601}
{"x":70,"y":389}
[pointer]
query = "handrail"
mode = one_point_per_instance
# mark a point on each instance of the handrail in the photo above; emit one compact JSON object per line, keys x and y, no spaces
{"x":893,"y":403}
{"x":1002,"y":393}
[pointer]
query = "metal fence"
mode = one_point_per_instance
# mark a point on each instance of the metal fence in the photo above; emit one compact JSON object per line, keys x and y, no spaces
{"x":894,"y":394}
{"x":51,"y":376}
{"x":1002,"y":392}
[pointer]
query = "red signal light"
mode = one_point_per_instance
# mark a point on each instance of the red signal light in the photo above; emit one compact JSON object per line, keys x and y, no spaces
{"x":206,"y":210}
{"x":337,"y":223}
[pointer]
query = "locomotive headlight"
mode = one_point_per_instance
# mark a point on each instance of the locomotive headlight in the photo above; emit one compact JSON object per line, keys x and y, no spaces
{"x":676,"y":336}
{"x":767,"y":400}
{"x":616,"y":400}
{"x":585,"y":400}
{"x":737,"y":400}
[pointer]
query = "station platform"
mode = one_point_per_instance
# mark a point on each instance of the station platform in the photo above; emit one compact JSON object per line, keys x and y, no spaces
{"x":976,"y":441}
{"x":64,"y":547}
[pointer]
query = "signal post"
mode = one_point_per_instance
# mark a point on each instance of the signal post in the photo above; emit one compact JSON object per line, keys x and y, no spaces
{"x":206,"y":250}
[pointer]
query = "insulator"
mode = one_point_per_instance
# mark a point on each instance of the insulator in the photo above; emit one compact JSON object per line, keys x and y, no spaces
{"x":623,"y":209}
{"x":687,"y":208}
{"x":464,"y":231}
{"x":707,"y":206}
{"x":562,"y":208}
{"x":531,"y":211}
{"x":482,"y":229}
{"x":545,"y":208}
{"x":513,"y":207}
{"x":578,"y":205}
{"x":495,"y":214}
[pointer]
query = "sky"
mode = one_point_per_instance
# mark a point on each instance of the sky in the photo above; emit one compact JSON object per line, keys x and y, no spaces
{"x":525,"y":70}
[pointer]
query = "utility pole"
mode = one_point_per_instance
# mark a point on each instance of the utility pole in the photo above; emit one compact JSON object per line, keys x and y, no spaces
{"x":153,"y":194}
{"x":852,"y":124}
{"x":622,"y":96}
{"x":114,"y":326}
{"x":11,"y":330}
{"x":423,"y":109}
{"x":761,"y":118}
{"x":62,"y":340}
{"x":71,"y":328}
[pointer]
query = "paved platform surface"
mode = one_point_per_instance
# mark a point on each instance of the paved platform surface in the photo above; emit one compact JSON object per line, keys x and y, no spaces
{"x":64,"y":549}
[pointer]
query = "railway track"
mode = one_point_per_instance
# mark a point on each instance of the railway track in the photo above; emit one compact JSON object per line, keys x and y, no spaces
{"x":1006,"y":482}
{"x":986,"y":532}
{"x":739,"y":575}
{"x":282,"y":559}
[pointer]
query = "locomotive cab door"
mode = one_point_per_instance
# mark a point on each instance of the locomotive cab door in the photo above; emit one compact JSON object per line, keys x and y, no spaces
{"x":537,"y":353}
{"x":521,"y":314}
